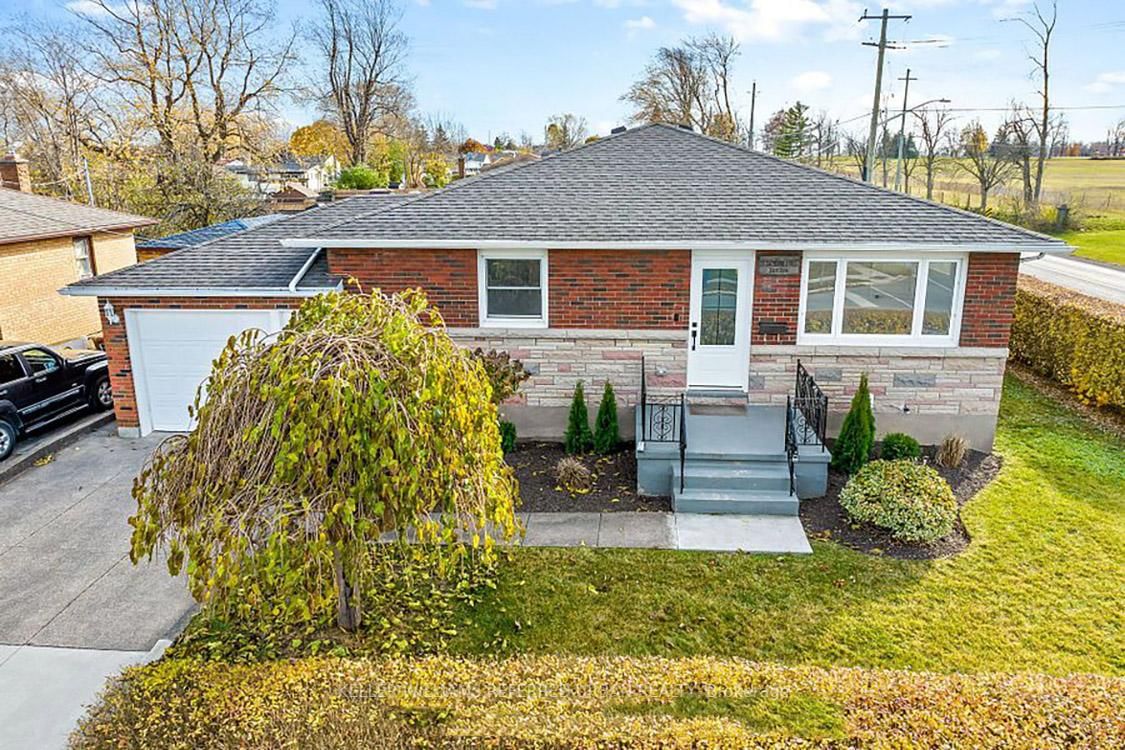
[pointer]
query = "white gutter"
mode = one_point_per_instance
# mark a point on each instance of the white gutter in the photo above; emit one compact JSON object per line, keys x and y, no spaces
{"x":1059,"y":248}
{"x":304,"y":269}
{"x":240,"y":291}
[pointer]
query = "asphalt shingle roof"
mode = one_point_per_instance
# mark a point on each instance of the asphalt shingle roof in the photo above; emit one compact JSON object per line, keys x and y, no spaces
{"x":253,"y":259}
{"x":26,"y":216}
{"x":664,"y":183}
{"x":194,"y":237}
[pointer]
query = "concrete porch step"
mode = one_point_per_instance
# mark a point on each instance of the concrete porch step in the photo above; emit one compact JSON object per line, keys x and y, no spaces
{"x":727,"y":475}
{"x":752,"y":502}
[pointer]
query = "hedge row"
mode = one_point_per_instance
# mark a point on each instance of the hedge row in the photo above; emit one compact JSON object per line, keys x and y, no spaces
{"x":1076,"y":340}
{"x":594,"y":702}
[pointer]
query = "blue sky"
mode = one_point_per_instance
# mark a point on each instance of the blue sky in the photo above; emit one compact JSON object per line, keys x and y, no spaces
{"x":506,"y":65}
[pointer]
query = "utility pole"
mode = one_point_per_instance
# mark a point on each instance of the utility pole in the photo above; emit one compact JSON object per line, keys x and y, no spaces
{"x":89,"y":185}
{"x":869,"y":162}
{"x":753,"y":101}
{"x":902,"y":127}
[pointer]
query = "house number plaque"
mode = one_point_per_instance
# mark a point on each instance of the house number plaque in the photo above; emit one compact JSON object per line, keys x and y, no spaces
{"x":779,"y":265}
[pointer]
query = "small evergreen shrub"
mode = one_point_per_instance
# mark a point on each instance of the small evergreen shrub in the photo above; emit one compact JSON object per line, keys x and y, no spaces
{"x":574,"y":476}
{"x":899,"y":446}
{"x":606,"y":433}
{"x":908,"y":499}
{"x":952,"y":451}
{"x":507,"y":436}
{"x":578,"y":438}
{"x":852,"y":448}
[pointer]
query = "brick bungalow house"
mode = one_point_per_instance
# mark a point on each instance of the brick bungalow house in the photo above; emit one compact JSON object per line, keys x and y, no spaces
{"x":722,"y":267}
{"x":47,"y":243}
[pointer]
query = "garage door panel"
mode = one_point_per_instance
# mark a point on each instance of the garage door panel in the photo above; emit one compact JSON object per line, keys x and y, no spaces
{"x":175,"y":349}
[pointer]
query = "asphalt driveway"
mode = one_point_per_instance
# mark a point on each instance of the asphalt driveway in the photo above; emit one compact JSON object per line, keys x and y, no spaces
{"x":73,"y":608}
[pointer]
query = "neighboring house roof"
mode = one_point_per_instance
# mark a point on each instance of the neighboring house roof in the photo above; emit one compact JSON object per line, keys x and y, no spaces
{"x":194,"y":237}
{"x":664,"y":186}
{"x":296,"y":187}
{"x":249,"y":262}
{"x":26,"y":216}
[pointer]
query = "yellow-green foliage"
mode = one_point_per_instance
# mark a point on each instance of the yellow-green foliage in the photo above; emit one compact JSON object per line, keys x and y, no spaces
{"x":362,"y":417}
{"x":1074,"y":339}
{"x":556,"y":701}
{"x":908,"y":499}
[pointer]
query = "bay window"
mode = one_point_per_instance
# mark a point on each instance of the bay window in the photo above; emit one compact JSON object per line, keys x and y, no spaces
{"x":513,"y":288}
{"x":891,"y":300}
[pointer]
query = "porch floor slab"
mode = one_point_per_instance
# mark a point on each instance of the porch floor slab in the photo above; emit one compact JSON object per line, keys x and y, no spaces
{"x":758,"y":430}
{"x":683,"y":531}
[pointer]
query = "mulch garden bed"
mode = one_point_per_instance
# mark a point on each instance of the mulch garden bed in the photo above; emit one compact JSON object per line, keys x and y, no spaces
{"x":824,"y":518}
{"x":615,"y":485}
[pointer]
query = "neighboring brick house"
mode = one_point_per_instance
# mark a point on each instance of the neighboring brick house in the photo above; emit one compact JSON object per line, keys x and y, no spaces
{"x":721,"y":266}
{"x":46,"y":244}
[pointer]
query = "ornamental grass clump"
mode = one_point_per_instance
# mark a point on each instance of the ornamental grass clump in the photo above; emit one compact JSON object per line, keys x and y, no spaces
{"x":361,"y":417}
{"x":909,"y":499}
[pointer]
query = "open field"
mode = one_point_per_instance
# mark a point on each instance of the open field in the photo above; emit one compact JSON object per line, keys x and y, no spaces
{"x":1107,"y":246}
{"x":1039,"y":588}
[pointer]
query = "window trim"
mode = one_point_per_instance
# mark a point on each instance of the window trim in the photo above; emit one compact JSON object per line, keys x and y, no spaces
{"x":838,"y":338}
{"x":87,"y":243}
{"x":498,"y":321}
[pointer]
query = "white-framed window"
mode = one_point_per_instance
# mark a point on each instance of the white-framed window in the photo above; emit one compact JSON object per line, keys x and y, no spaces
{"x":896,"y":300}
{"x":513,"y":288}
{"x":82,"y":257}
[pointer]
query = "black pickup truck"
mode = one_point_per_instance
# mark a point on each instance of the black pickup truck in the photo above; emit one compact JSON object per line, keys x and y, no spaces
{"x":39,"y":385}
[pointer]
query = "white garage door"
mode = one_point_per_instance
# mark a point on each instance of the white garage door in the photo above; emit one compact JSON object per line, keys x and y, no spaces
{"x":172,"y":351}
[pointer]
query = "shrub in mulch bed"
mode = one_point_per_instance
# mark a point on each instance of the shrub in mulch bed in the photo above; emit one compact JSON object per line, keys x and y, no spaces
{"x":579,"y":702}
{"x":614,"y":488}
{"x":824,"y":517}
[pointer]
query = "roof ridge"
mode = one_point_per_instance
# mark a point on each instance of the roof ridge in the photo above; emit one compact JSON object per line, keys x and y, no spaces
{"x":847,"y":178}
{"x":506,"y":169}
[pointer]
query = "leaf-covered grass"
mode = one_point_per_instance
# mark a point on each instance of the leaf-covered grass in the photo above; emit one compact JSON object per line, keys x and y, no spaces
{"x":1039,"y":589}
{"x":1107,"y":246}
{"x":799,"y":714}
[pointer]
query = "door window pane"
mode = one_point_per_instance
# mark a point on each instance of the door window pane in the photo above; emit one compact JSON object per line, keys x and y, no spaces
{"x":718,"y":307}
{"x":821,"y":296}
{"x":10,"y":368}
{"x":514,"y":287}
{"x":40,"y":361}
{"x":879,"y":297}
{"x":938,"y":313}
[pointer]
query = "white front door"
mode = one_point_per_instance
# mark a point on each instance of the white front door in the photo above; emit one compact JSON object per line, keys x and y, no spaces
{"x":719,"y":329}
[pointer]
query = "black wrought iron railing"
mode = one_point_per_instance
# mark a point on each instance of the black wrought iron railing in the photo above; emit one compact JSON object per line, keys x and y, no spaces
{"x":663,"y":419}
{"x":811,"y":406}
{"x":791,"y":442}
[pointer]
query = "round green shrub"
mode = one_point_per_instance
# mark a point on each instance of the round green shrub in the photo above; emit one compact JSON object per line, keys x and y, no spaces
{"x":898,"y":446}
{"x":908,"y":499}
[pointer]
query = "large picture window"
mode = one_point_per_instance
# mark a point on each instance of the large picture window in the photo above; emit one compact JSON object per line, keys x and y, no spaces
{"x":881,"y":300}
{"x":513,"y":288}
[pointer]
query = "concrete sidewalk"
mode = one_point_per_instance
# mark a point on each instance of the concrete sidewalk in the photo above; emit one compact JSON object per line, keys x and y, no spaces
{"x":682,"y":531}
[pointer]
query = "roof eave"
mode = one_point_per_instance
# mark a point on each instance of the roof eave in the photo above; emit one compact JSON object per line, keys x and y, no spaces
{"x":73,"y":232}
{"x":1051,"y":247}
{"x":88,"y":290}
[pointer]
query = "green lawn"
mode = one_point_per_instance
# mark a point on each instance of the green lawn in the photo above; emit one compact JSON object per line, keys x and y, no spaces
{"x":1107,"y":246}
{"x":1040,"y":588}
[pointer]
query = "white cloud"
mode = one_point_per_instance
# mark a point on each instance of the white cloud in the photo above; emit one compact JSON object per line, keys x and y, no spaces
{"x":812,"y":80}
{"x":86,"y":8}
{"x":774,"y":19}
{"x":640,"y":24}
{"x":1106,"y":82}
{"x":620,"y":3}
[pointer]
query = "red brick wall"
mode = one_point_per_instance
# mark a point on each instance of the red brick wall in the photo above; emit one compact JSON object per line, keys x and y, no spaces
{"x":990,"y":299}
{"x":776,"y":300}
{"x":619,"y":288}
{"x":449,"y":277}
{"x":117,"y":341}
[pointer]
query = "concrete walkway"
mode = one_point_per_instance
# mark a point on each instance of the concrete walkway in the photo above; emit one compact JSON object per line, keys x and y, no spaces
{"x":682,"y":531}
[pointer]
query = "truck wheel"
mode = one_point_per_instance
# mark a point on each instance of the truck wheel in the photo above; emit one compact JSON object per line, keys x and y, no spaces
{"x":101,"y":397}
{"x":7,"y":438}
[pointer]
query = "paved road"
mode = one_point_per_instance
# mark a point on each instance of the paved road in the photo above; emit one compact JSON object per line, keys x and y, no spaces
{"x":1094,"y":279}
{"x":73,"y":609}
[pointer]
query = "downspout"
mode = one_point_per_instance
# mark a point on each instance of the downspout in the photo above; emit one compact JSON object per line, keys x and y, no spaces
{"x":304,"y":270}
{"x":1033,"y":258}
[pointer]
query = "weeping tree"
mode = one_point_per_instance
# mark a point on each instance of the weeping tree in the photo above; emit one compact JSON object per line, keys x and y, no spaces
{"x":359,"y":418}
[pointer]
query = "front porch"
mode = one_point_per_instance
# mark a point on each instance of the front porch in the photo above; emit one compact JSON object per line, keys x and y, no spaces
{"x":716,"y":452}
